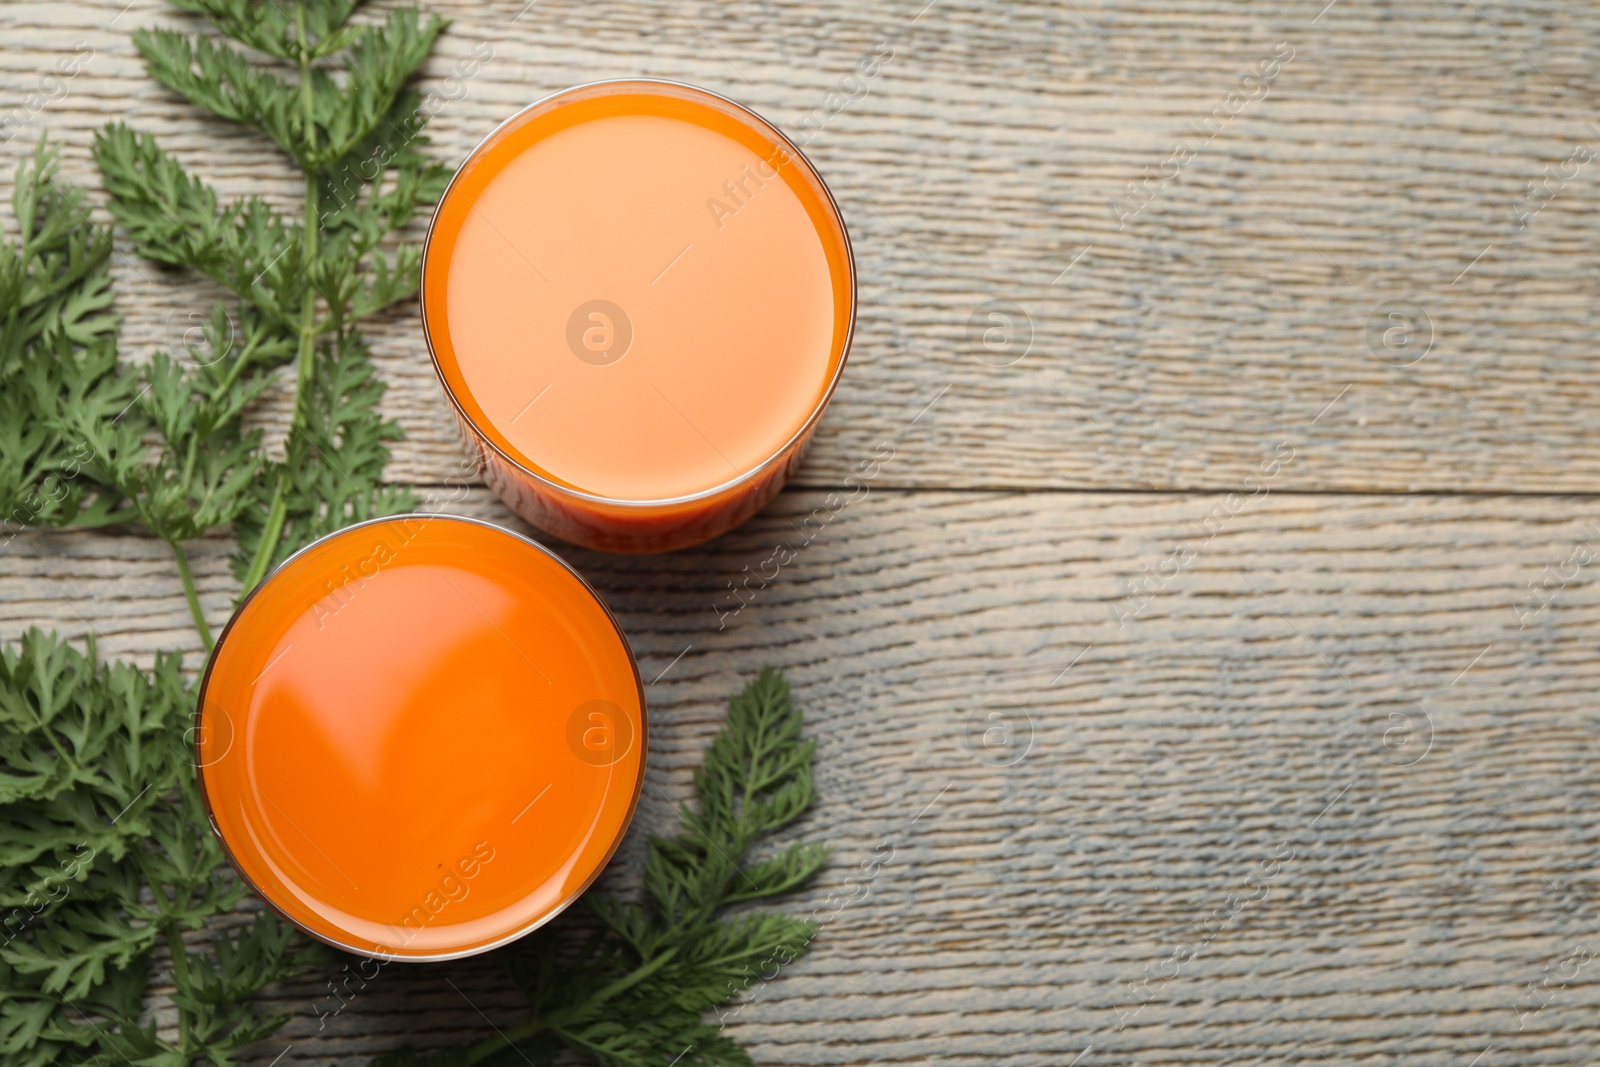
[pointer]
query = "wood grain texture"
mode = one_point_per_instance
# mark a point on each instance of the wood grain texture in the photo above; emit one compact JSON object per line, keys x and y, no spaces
{"x":1266,"y":701}
{"x":1390,"y":153}
{"x":1360,"y":691}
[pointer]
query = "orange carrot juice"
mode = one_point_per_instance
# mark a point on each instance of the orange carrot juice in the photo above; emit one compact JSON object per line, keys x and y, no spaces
{"x":639,"y":297}
{"x":421,"y":737}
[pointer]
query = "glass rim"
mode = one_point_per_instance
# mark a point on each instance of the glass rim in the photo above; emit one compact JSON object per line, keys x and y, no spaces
{"x":527,"y":928}
{"x":765,"y":466}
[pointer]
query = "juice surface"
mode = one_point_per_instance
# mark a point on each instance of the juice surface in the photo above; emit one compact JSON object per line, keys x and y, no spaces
{"x":636,"y":295}
{"x":421,"y":737}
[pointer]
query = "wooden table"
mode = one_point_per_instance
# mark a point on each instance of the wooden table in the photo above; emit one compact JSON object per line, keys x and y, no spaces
{"x":1283,"y":607}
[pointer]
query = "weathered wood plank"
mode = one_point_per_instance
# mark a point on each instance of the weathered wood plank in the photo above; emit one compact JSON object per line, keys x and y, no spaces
{"x":1269,"y":697}
{"x":1368,"y":682}
{"x":1387,"y":161}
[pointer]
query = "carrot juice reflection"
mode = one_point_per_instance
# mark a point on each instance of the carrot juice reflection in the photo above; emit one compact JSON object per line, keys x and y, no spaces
{"x":421,"y":737}
{"x":639,"y":297}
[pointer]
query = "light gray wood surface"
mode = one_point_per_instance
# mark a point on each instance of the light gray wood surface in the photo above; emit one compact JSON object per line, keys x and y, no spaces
{"x":1348,"y":666}
{"x":1392,"y":150}
{"x":1346,"y":674}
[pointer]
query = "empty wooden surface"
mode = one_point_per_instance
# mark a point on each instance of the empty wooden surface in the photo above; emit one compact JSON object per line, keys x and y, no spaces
{"x":1369,"y":667}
